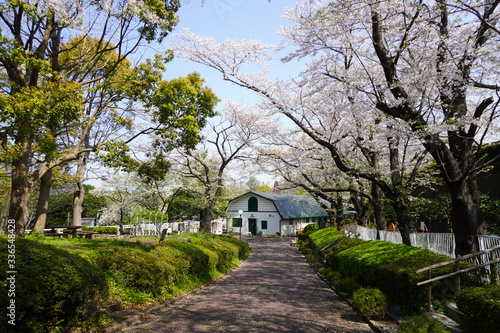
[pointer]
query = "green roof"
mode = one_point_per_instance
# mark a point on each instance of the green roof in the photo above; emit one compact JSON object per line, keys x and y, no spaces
{"x":291,"y":206}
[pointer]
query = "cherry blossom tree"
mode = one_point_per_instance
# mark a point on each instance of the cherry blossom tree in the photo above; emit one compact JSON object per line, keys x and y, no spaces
{"x":329,"y":117}
{"x":430,"y":64}
{"x":226,"y":143}
{"x":424,"y":70}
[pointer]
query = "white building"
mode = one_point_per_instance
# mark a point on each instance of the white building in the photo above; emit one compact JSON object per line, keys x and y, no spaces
{"x":273,"y":213}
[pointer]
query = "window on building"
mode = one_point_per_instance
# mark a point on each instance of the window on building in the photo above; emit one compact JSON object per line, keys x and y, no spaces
{"x":263,"y":225}
{"x":253,"y":204}
{"x":236,"y":222}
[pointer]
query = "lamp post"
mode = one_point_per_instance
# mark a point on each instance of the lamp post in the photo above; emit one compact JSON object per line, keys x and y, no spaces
{"x":240,"y":212}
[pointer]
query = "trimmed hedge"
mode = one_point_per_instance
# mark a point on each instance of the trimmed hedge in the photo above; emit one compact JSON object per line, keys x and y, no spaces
{"x":323,"y":237}
{"x":332,"y":254}
{"x":52,"y":287}
{"x":391,"y":267}
{"x":384,"y":265}
{"x":61,"y":283}
{"x":481,"y":305}
{"x":102,"y":230}
{"x":362,"y":260}
{"x":422,"y":324}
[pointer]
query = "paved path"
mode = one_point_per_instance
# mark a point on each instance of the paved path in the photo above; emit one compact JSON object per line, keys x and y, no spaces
{"x":274,"y":290}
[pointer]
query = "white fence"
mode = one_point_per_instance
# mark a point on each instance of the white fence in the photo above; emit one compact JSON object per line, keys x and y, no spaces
{"x":155,"y":229}
{"x":435,"y":242}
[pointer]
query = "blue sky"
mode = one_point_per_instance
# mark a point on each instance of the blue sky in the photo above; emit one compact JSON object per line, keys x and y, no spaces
{"x":237,"y":19}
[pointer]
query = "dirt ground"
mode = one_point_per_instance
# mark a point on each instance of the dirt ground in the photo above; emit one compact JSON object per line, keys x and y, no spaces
{"x":274,"y":290}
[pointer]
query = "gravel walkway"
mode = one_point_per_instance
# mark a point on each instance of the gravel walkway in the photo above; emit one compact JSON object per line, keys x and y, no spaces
{"x":274,"y":290}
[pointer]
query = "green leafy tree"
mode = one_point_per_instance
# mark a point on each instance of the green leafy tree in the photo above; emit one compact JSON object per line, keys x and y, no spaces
{"x":61,"y":204}
{"x":40,"y":95}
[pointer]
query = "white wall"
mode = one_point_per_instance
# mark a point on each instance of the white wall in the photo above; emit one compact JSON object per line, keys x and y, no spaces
{"x":267,"y":212}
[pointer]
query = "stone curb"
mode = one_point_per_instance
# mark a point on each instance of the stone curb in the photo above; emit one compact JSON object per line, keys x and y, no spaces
{"x":131,"y":320}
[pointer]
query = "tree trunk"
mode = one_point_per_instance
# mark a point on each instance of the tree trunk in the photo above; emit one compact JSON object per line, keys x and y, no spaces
{"x":379,"y":209}
{"x":120,"y":224}
{"x":402,"y":209}
{"x":362,"y":207}
{"x":206,"y":219}
{"x":79,"y":194}
{"x":364,"y":217}
{"x":340,"y":213}
{"x":21,"y":191}
{"x":466,"y":217}
{"x":43,"y":202}
{"x":332,"y":217}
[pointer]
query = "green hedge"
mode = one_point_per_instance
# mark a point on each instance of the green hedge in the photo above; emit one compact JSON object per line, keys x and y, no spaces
{"x":398,"y":281}
{"x":332,"y":254}
{"x":60,"y":282}
{"x":52,"y":286}
{"x":361,"y":261}
{"x":481,"y":305}
{"x":323,"y":237}
{"x":391,"y":267}
{"x":102,"y":230}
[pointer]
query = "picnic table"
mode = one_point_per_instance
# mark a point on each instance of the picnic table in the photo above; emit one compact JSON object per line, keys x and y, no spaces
{"x":72,"y":228}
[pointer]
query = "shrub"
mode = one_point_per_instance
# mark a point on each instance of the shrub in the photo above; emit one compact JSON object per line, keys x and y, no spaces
{"x":398,"y":281}
{"x":136,"y":268}
{"x":333,"y":276}
{"x":346,"y":285}
{"x":102,"y":230}
{"x":310,"y":258}
{"x":481,"y":306}
{"x":361,"y":261}
{"x":332,"y":254}
{"x":369,"y":302}
{"x":323,"y":237}
{"x":53,"y":287}
{"x":243,"y":247}
{"x":422,"y":324}
{"x":305,"y":250}
{"x":202,"y":261}
{"x":310,"y":228}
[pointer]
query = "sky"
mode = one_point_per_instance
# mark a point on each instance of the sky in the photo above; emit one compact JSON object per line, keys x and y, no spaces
{"x":236,"y":19}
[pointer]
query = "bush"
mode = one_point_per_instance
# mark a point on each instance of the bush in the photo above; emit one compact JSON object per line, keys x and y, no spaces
{"x":333,"y":276}
{"x":422,"y":324}
{"x":361,"y":261}
{"x":305,"y":250}
{"x":310,"y":228}
{"x":346,"y":285}
{"x":102,"y":230}
{"x":391,"y":268}
{"x":481,"y":306}
{"x":53,"y":287}
{"x":369,"y":302}
{"x":332,"y":254}
{"x":136,"y":268}
{"x":323,"y":237}
{"x":243,"y":247}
